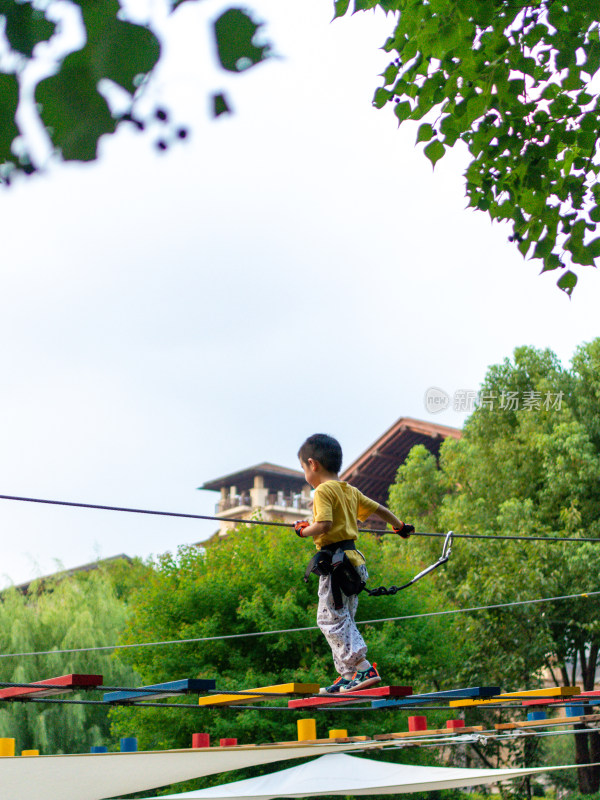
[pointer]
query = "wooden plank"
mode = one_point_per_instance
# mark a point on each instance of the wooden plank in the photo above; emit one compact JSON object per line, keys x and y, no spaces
{"x":506,"y":726}
{"x":60,"y":685}
{"x":582,"y":695}
{"x":324,"y":741}
{"x":168,"y":689}
{"x":433,"y":697}
{"x":553,"y":691}
{"x":432,"y":732}
{"x":352,"y":697}
{"x":543,"y":723}
{"x":269,"y":691}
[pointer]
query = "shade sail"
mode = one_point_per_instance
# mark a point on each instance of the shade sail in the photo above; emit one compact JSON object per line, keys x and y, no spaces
{"x":348,"y":775}
{"x":102,"y":775}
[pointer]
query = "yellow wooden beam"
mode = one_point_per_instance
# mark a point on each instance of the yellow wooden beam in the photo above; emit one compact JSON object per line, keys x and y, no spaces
{"x":553,"y":691}
{"x":282,"y":688}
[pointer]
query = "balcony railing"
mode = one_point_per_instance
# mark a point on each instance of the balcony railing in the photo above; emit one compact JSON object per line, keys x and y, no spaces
{"x":296,"y":501}
{"x":233,"y":502}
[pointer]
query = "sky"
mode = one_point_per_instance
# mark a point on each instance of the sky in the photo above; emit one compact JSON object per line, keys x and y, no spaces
{"x":296,"y":267}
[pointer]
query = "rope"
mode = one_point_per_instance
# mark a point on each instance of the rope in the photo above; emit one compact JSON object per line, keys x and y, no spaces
{"x":299,"y":630}
{"x":284,"y":524}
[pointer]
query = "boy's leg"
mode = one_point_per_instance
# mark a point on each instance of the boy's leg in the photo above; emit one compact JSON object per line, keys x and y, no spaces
{"x":347,"y":645}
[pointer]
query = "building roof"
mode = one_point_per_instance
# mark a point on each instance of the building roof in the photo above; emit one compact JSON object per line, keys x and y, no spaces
{"x":67,"y":573}
{"x":276,"y":479}
{"x":375,"y":470}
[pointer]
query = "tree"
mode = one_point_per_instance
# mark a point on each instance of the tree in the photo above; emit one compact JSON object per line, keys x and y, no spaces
{"x":528,"y":464}
{"x":83,"y":610}
{"x":513,"y":81}
{"x":250,"y":582}
{"x":73,"y":98}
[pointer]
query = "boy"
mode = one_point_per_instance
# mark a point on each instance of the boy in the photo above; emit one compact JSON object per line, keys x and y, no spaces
{"x":336,"y":507}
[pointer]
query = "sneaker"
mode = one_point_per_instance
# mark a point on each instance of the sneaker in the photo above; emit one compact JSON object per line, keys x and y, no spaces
{"x":336,"y":687}
{"x":362,"y":679}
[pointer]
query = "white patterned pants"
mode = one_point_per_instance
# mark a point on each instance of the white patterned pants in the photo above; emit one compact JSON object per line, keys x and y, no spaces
{"x":348,"y":648}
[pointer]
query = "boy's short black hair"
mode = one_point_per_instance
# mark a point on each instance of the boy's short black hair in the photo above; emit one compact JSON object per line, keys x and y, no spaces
{"x":324,"y":449}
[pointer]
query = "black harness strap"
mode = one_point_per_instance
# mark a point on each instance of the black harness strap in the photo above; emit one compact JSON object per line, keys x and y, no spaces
{"x":331,"y":560}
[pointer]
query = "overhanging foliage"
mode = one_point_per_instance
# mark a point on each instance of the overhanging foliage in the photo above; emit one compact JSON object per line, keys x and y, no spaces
{"x":513,"y":81}
{"x":70,"y":99}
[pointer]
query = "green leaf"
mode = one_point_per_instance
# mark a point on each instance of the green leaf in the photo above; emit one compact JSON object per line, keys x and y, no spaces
{"x":477,"y":106}
{"x":234,"y":33}
{"x":524,"y":246}
{"x":568,"y":137}
{"x":9,"y":100}
{"x":340,"y":7}
{"x":25,"y":26}
{"x":595,"y":214}
{"x":364,"y":5}
{"x":551,"y":262}
{"x":589,"y":122}
{"x":118,"y":50}
{"x":583,"y":98}
{"x":403,"y":110}
{"x":389,"y":44}
{"x":593,"y":248}
{"x":587,"y":140}
{"x":449,"y":130}
{"x":381,"y":97}
{"x":567,"y":282}
{"x":535,"y":35}
{"x":425,"y":133}
{"x":485,"y":10}
{"x":593,"y":56}
{"x":220,"y":105}
{"x":434,"y":151}
{"x":551,"y":91}
{"x":573,"y":80}
{"x":390,"y":74}
{"x":72,"y":108}
{"x":544,"y":247}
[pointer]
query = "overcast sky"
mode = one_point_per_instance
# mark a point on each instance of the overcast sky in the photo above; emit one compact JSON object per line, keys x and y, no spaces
{"x":297,"y":267}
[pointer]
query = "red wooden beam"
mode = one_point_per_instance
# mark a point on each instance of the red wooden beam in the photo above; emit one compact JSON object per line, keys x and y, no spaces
{"x":351,"y":697}
{"x":60,"y":685}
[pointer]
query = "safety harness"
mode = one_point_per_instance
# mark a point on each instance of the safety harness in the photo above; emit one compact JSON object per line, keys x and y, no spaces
{"x":332,"y":560}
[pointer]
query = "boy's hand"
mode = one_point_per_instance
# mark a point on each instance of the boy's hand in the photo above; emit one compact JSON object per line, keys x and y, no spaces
{"x":299,"y":527}
{"x":405,"y":530}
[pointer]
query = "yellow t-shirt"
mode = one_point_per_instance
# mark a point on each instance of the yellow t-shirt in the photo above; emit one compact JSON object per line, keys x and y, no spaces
{"x":341,"y":504}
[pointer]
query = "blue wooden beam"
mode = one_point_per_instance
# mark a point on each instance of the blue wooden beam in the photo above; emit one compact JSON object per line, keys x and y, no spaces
{"x":433,"y":697}
{"x":169,"y":689}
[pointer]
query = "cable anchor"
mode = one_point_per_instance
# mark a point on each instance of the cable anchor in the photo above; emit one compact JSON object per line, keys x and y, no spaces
{"x":446,"y":552}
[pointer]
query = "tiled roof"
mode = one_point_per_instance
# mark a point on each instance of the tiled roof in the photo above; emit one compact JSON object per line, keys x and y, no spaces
{"x":375,"y":470}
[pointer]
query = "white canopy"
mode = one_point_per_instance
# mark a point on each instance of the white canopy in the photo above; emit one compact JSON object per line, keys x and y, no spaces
{"x":101,"y":775}
{"x":348,"y":775}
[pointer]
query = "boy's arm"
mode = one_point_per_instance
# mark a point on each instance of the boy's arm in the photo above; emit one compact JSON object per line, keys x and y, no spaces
{"x":314,"y":529}
{"x":387,"y":516}
{"x":399,"y":527}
